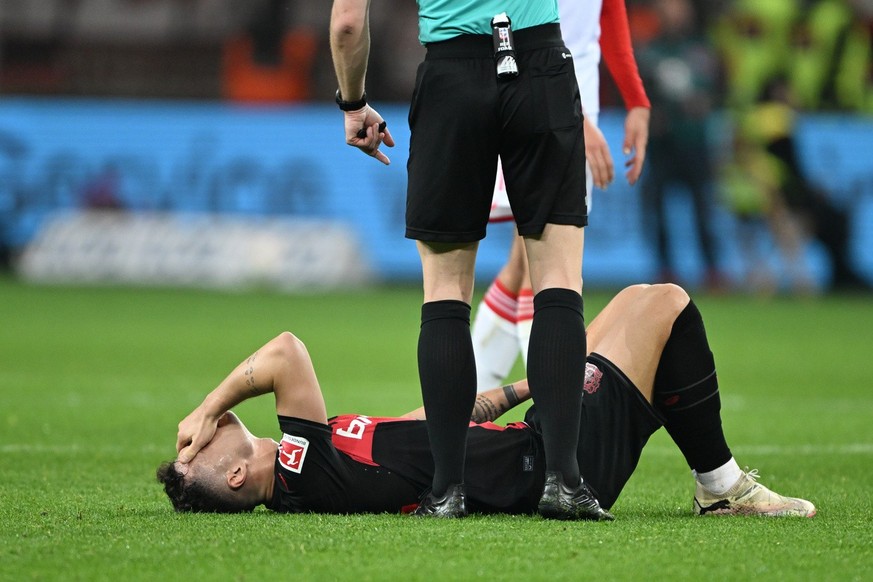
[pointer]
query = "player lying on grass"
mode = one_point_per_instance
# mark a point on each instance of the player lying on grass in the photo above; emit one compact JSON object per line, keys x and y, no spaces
{"x":649,"y":366}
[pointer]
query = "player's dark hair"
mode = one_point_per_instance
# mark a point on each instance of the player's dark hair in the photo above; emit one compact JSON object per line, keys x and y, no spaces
{"x":192,"y":496}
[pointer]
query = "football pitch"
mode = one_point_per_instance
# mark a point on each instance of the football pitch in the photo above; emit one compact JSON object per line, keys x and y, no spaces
{"x":94,"y":381}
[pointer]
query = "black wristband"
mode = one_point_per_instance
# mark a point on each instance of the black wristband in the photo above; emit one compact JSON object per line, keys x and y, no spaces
{"x":350,"y":105}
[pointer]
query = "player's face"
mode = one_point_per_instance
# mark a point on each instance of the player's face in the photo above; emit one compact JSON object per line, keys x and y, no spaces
{"x":231,"y":440}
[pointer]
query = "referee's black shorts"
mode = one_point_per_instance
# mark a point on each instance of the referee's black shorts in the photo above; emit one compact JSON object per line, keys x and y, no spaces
{"x":462,"y":117}
{"x":617,"y":422}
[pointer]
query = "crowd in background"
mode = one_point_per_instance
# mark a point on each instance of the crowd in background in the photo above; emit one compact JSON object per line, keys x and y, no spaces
{"x":822,"y":48}
{"x":758,"y":62}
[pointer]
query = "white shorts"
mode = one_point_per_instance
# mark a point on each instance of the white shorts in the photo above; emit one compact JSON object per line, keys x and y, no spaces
{"x":500,"y":209}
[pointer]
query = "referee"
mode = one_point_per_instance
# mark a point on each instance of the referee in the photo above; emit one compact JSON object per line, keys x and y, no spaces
{"x":472,"y":104}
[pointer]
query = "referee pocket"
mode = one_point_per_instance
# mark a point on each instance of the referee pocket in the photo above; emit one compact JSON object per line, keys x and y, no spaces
{"x":554,"y":92}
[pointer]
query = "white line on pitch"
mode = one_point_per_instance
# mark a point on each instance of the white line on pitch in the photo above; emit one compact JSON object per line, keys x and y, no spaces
{"x":75,"y":448}
{"x":844,"y":449}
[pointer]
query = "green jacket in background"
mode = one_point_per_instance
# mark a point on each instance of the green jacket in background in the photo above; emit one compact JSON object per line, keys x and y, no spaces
{"x":830,"y":62}
{"x":754,"y":41}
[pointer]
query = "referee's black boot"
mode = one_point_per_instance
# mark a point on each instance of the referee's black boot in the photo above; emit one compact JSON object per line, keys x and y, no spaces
{"x":562,"y":502}
{"x":453,"y":503}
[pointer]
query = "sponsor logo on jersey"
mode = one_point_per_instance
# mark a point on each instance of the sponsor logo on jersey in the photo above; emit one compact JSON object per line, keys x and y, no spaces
{"x":292,"y":452}
{"x":592,"y":378}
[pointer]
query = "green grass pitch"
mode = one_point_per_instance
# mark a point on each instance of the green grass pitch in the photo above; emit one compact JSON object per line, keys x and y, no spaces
{"x":93,"y":382}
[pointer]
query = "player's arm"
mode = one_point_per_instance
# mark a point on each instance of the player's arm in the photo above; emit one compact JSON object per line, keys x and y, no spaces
{"x":490,"y":404}
{"x":350,"y":49}
{"x":617,"y":50}
{"x":282,"y":366}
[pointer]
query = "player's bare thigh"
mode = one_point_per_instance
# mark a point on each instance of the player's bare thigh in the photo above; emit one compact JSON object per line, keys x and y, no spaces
{"x":555,"y":257}
{"x":632,"y":329}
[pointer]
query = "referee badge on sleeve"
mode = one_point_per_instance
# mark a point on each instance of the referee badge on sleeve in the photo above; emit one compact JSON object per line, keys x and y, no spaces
{"x":292,"y":452}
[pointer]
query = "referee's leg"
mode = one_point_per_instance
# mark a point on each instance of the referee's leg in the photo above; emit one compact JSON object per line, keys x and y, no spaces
{"x":446,"y":364}
{"x":556,"y":354}
{"x":556,"y":368}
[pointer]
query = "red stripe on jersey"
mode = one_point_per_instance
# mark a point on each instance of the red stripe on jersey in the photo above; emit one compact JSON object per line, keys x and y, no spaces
{"x":502,"y":219}
{"x":497,"y":427}
{"x":353,"y":435}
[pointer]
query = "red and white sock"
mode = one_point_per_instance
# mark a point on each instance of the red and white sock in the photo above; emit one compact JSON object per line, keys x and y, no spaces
{"x":523,"y":321}
{"x":495,"y":342}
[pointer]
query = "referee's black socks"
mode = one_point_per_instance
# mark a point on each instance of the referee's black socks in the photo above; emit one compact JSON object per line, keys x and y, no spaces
{"x":447,"y":371}
{"x":686,"y":393}
{"x":556,"y":373}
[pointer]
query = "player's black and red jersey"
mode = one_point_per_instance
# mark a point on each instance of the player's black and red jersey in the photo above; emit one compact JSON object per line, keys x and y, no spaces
{"x":363,"y":464}
{"x":360,"y":464}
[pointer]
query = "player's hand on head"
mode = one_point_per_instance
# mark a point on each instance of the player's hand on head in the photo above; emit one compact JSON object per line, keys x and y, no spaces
{"x":367,"y":131}
{"x":636,"y":138}
{"x":597,"y":155}
{"x":195,"y":432}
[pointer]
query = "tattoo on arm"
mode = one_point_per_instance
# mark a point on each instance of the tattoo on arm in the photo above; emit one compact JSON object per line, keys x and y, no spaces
{"x":511,"y":396}
{"x":250,"y":371}
{"x":484,"y":410}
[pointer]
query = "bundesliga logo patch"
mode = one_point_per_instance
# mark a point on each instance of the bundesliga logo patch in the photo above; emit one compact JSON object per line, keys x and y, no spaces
{"x":292,"y":452}
{"x":592,"y":378}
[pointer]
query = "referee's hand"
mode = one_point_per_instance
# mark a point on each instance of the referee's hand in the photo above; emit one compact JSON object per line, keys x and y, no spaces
{"x":368,"y":123}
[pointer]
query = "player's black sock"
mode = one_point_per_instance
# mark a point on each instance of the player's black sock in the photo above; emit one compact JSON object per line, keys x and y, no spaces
{"x":686,"y":393}
{"x":556,"y":372}
{"x":447,"y":370}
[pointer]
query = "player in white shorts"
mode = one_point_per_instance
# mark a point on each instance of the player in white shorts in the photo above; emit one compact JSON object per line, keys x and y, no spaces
{"x":502,"y":325}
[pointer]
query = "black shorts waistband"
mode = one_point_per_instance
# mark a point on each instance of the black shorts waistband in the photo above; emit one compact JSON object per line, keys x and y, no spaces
{"x":481,"y":45}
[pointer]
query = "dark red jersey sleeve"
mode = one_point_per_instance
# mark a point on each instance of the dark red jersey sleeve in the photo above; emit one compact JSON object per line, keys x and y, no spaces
{"x":618,"y":53}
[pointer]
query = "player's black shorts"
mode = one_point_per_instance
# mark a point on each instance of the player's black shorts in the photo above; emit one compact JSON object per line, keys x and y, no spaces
{"x":617,"y":421}
{"x":462,"y":117}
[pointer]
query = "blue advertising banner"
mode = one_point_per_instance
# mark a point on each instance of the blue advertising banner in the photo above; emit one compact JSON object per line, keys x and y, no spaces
{"x":292,"y":162}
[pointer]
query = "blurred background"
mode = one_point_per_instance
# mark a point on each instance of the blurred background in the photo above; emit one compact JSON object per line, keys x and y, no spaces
{"x":196,"y":143}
